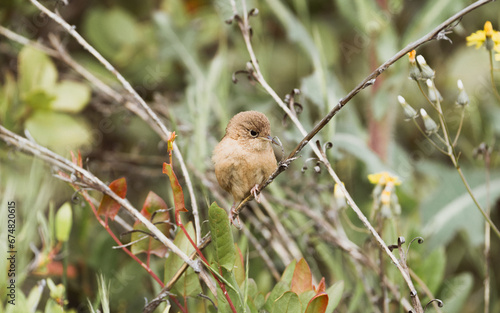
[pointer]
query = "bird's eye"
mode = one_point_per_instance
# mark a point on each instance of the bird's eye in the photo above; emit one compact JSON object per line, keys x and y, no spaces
{"x":254,"y":133}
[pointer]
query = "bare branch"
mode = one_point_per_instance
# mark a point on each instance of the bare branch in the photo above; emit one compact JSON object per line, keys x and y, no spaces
{"x":158,"y":124}
{"x":90,"y":180}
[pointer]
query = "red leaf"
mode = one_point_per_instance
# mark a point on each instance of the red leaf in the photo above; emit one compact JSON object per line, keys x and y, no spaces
{"x":321,"y":287}
{"x":108,"y":206}
{"x":318,"y":304}
{"x":152,"y":204}
{"x":176,"y":189}
{"x":76,"y":160}
{"x":302,"y":277}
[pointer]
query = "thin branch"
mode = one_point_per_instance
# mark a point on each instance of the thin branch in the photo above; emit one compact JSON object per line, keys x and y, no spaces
{"x":26,"y":42}
{"x":85,"y":177}
{"x":158,"y":124}
{"x":153,"y":304}
{"x":437,"y":33}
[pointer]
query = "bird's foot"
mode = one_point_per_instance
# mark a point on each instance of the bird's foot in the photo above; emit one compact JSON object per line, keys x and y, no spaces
{"x":254,"y":193}
{"x":234,"y":217}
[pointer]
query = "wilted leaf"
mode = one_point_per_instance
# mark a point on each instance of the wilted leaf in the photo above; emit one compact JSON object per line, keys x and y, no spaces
{"x":176,"y":190}
{"x":153,"y":203}
{"x":109,"y":207}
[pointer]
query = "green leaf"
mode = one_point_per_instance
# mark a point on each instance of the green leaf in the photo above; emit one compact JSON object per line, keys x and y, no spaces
{"x":358,"y":147}
{"x":360,"y":13}
{"x":36,"y":71}
{"x":70,"y":96}
{"x":239,"y":267}
{"x":173,"y":261}
{"x":58,"y":131}
{"x":222,"y":304}
{"x":456,"y":292}
{"x":295,"y":30}
{"x":39,"y":99}
{"x":430,"y":268}
{"x":21,"y":305}
{"x":287,"y":275}
{"x":334,"y":295}
{"x":53,"y":307}
{"x":306,"y":297}
{"x":431,"y":15}
{"x":188,"y":284}
{"x":111,"y":31}
{"x":287,"y":303}
{"x":225,"y":253}
{"x":279,"y":289}
{"x":35,"y":295}
{"x":64,"y":219}
{"x":450,"y":207}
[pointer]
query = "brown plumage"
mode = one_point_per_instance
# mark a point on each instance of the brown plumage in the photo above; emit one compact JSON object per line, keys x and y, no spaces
{"x":244,"y":158}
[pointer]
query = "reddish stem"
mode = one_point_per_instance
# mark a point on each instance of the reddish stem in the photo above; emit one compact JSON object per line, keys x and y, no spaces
{"x":178,"y":221}
{"x":106,"y":226}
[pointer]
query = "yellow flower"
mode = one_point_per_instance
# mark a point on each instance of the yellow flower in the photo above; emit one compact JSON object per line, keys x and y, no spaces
{"x":411,"y":56}
{"x":384,"y":178}
{"x":488,"y":36}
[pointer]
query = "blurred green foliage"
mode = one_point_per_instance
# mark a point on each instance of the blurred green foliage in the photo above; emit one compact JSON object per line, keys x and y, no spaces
{"x":180,"y":55}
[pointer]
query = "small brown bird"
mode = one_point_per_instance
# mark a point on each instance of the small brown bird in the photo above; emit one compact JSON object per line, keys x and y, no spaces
{"x":244,"y":158}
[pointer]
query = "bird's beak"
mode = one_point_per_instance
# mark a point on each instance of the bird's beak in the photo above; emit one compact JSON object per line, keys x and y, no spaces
{"x":271,"y":139}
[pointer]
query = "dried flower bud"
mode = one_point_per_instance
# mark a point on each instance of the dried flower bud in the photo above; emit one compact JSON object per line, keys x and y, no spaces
{"x":425,"y":70}
{"x":409,"y":112}
{"x":430,"y":126}
{"x":433,"y":93}
{"x":463,"y":98}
